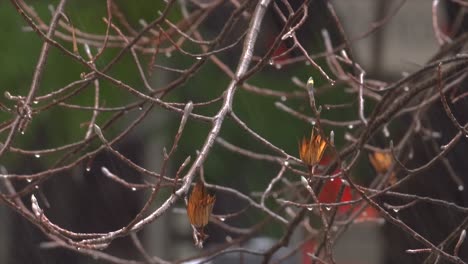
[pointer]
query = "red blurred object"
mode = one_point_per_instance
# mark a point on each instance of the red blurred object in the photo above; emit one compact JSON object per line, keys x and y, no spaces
{"x":329,"y":194}
{"x":278,"y":55}
{"x":331,"y":190}
{"x":308,"y":247}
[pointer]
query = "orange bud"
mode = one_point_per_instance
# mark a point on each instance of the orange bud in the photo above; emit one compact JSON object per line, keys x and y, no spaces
{"x":381,"y":161}
{"x":311,"y":151}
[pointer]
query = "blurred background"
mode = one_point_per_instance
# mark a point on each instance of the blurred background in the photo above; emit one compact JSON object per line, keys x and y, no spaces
{"x":84,"y":200}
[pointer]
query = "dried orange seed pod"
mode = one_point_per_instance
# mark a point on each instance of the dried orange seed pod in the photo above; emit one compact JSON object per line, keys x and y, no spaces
{"x":381,"y":161}
{"x":311,"y":151}
{"x":200,"y":205}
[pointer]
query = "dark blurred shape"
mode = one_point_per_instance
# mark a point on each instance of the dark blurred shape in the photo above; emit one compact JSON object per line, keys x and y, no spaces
{"x":435,"y":222}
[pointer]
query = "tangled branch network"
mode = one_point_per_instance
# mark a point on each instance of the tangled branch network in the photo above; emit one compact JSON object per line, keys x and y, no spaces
{"x":315,"y":190}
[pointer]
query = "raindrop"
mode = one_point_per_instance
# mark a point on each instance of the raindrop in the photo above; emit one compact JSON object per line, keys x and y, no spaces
{"x":168,"y":54}
{"x":406,"y":88}
{"x":396,"y":210}
{"x":332,"y":179}
{"x":271,"y":62}
{"x":310,"y":208}
{"x":134,"y":189}
{"x":22,"y":132}
{"x":461,"y":188}
{"x":29,"y":180}
{"x":307,"y":63}
{"x":313,"y":123}
{"x":443,"y":147}
{"x":283,"y":98}
{"x":37,"y":155}
{"x":198,"y":58}
{"x":222,"y":219}
{"x":36,"y":187}
{"x":88,"y":169}
{"x":78,"y":248}
{"x":286,"y":163}
{"x":140,"y":108}
{"x":350,"y":126}
{"x":35,"y":102}
{"x":278,"y":66}
{"x":328,"y":208}
{"x":466,"y":135}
